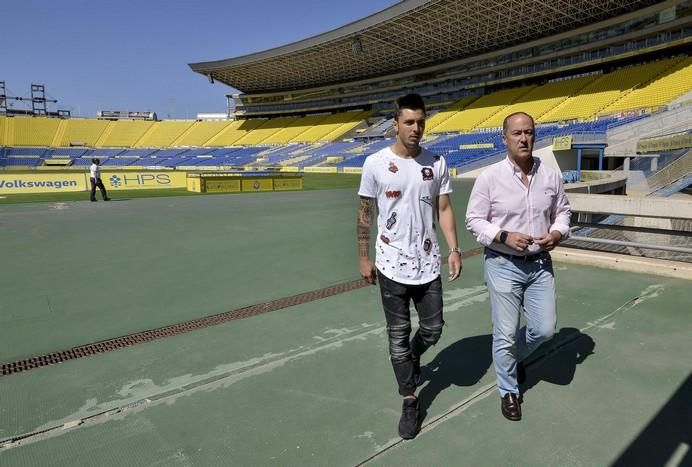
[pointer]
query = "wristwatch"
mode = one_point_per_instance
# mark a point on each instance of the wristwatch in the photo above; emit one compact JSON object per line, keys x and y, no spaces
{"x":503,"y":236}
{"x":455,"y":250}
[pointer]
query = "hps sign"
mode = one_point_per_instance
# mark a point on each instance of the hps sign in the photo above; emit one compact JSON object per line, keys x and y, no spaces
{"x":141,"y":180}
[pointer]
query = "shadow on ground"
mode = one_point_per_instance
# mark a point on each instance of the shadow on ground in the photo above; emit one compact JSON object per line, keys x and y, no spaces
{"x":556,"y":361}
{"x":462,"y":363}
{"x":667,"y":438}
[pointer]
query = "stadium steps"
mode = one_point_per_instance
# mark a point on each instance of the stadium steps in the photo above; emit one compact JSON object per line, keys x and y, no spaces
{"x":481,"y":109}
{"x":622,"y":140}
{"x":347,"y":126}
{"x":125,"y":133}
{"x":150,"y":131}
{"x":104,"y":136}
{"x":200,"y":133}
{"x":233,"y":133}
{"x":656,"y":84}
{"x":541,"y":100}
{"x":499,"y":112}
{"x":162,"y":134}
{"x":303,"y":137}
{"x":442,"y":116}
{"x":674,"y":171}
{"x":292,"y":131}
{"x":59,"y":134}
{"x":263,"y":133}
{"x":686,"y":97}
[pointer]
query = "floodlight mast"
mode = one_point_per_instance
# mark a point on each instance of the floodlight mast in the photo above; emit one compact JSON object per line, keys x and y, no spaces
{"x":38,"y":102}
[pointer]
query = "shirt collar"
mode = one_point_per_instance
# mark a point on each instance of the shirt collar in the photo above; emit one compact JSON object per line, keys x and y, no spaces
{"x":515,"y":169}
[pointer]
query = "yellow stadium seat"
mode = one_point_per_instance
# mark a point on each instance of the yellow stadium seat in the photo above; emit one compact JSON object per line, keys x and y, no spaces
{"x":440,"y":117}
{"x":481,"y":110}
{"x":597,"y":96}
{"x":199,"y":133}
{"x":540,"y":100}
{"x":162,"y":134}
{"x":32,"y":131}
{"x":82,"y":131}
{"x":659,"y":91}
{"x":124,"y":133}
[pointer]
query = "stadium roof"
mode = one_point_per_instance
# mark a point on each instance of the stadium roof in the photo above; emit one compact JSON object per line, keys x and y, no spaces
{"x":408,"y":35}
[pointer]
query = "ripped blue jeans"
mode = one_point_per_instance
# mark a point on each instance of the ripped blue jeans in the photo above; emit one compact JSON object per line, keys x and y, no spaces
{"x":396,"y":300}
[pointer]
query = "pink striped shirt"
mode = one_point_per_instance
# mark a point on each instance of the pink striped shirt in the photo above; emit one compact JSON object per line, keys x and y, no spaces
{"x":500,"y":201}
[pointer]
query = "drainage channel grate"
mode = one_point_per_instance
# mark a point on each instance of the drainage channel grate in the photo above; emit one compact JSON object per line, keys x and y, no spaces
{"x":174,"y":329}
{"x":109,"y":345}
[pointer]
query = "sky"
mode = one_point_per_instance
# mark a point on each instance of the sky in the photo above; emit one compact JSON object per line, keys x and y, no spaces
{"x":132,"y":55}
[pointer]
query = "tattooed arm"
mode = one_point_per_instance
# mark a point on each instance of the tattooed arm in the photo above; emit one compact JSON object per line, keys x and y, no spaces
{"x":365,"y":215}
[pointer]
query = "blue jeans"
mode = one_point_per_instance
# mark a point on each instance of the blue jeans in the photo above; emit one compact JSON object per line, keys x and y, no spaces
{"x":396,"y":300}
{"x":514,"y":284}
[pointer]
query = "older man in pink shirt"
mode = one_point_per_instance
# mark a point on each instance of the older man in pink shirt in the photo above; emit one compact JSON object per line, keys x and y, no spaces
{"x":518,"y":210}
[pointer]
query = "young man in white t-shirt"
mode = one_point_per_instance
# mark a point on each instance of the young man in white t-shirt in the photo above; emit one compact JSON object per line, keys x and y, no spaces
{"x":408,"y":185}
{"x":95,"y":178}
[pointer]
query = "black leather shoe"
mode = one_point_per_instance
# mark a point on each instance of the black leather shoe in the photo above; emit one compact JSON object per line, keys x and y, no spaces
{"x":521,"y":373}
{"x":510,"y":407}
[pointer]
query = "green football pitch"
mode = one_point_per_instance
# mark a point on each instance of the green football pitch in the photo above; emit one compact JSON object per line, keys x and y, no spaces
{"x":307,"y":383}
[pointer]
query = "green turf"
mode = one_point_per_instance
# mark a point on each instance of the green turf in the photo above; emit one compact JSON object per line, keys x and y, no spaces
{"x":309,"y":384}
{"x":310,"y":182}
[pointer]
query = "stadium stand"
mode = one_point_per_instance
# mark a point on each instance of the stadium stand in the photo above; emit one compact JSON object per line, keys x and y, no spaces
{"x":123,"y":133}
{"x":199,"y":133}
{"x":162,"y":134}
{"x":266,"y":129}
{"x":657,"y":92}
{"x":540,"y":100}
{"x":233,"y":132}
{"x":597,"y":96}
{"x":442,"y":116}
{"x":82,"y":132}
{"x":36,"y":131}
{"x":480,"y":110}
{"x":293,"y":130}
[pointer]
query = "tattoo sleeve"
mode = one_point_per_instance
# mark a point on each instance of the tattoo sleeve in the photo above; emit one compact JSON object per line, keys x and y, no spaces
{"x":365,"y":212}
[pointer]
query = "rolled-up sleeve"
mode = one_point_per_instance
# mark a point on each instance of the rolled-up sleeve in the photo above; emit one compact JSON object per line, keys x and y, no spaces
{"x":478,"y":211}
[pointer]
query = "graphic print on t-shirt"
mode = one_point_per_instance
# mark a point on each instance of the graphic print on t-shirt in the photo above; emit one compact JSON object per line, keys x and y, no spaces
{"x":405,"y":191}
{"x":391,"y":221}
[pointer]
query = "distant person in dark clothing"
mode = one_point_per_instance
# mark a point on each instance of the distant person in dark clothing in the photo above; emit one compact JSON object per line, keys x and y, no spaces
{"x":95,"y":173}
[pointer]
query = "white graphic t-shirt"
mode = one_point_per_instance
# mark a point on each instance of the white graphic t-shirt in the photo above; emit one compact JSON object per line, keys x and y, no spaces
{"x":406,"y":191}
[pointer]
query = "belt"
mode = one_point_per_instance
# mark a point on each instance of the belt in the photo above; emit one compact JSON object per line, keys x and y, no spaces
{"x":534,"y":257}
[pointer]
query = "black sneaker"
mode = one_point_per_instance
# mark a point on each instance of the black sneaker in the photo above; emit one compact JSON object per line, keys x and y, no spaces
{"x":409,"y":423}
{"x":106,"y":199}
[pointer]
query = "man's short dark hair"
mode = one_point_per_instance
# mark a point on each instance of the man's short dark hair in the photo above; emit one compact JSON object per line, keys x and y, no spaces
{"x":95,"y":161}
{"x":505,"y":122}
{"x":409,"y":101}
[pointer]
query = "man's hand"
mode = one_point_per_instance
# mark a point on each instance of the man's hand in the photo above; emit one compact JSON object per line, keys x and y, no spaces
{"x":549,"y":241}
{"x":455,"y":265}
{"x":518,"y":241}
{"x":367,"y":270}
